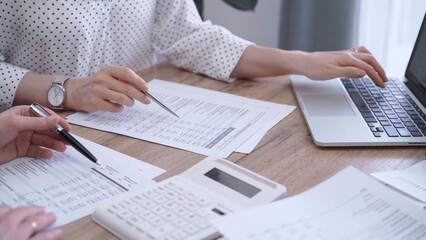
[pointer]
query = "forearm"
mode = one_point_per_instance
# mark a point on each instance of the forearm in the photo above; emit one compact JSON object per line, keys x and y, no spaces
{"x":33,"y":88}
{"x":258,"y":61}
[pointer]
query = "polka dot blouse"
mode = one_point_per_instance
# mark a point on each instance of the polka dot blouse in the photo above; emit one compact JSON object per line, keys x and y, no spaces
{"x":79,"y":37}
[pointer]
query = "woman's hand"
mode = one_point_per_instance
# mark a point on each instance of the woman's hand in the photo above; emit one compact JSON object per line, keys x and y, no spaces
{"x":24,"y":223}
{"x":352,"y":63}
{"x":22,"y":134}
{"x":109,"y":89}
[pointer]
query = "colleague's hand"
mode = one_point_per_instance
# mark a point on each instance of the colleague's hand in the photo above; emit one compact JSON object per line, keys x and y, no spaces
{"x":109,"y":89}
{"x":24,"y":223}
{"x":22,"y":134}
{"x":355,"y":63}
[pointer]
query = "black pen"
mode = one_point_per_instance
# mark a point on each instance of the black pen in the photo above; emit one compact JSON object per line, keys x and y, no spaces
{"x":38,"y":110}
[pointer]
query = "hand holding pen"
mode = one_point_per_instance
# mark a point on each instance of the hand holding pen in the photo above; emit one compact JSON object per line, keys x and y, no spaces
{"x":38,"y":110}
{"x":23,"y":135}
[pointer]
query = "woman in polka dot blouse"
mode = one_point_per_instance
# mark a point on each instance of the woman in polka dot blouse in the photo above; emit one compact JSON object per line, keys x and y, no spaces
{"x":99,"y":44}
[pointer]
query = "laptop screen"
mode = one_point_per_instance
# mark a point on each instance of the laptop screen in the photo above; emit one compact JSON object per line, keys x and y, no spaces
{"x":416,"y":69}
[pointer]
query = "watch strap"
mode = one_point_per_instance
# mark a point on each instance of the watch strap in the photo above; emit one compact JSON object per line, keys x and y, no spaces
{"x":61,"y":80}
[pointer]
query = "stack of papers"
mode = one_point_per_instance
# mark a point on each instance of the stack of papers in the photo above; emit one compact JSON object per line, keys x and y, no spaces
{"x":410,"y":181}
{"x":210,"y":123}
{"x":70,"y":185}
{"x":350,"y":205}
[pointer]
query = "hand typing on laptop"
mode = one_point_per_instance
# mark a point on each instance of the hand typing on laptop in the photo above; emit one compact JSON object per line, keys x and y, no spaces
{"x":354,"y":63}
{"x":359,"y":110}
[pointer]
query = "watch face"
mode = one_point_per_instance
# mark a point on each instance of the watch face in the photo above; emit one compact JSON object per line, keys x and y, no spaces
{"x":56,"y":95}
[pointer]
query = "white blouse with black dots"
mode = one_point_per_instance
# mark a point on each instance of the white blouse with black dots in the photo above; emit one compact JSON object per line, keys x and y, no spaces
{"x":79,"y":37}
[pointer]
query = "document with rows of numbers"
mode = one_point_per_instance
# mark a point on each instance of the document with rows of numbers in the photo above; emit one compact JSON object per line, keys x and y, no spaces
{"x":210,"y":123}
{"x":70,"y":185}
{"x":349,"y":205}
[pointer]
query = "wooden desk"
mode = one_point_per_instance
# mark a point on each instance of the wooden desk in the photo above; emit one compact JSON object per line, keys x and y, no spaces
{"x":286,"y":154}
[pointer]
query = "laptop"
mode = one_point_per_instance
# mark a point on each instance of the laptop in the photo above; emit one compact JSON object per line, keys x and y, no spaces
{"x":354,"y":112}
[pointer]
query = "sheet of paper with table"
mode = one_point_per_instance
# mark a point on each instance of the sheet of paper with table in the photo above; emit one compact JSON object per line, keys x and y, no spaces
{"x":349,"y":205}
{"x":411,"y":181}
{"x":71,"y":186}
{"x":211,"y":123}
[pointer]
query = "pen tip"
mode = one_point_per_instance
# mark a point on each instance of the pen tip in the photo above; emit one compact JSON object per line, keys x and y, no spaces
{"x":97,"y":162}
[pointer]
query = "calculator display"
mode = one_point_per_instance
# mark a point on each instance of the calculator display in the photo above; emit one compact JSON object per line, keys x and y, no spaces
{"x":232,"y":182}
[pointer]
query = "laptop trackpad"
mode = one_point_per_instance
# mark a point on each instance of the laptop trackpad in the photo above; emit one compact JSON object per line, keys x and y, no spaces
{"x":327,"y":105}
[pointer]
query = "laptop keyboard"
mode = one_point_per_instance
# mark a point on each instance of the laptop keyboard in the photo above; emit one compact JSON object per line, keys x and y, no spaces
{"x":387,"y":111}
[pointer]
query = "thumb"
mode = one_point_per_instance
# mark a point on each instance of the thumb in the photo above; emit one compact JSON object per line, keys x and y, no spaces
{"x":23,"y":123}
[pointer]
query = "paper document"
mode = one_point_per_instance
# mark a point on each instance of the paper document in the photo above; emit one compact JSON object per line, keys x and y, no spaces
{"x":70,"y":185}
{"x":210,"y":123}
{"x":411,"y":181}
{"x":350,"y":205}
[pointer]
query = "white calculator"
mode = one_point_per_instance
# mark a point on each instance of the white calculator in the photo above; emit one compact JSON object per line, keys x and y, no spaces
{"x":182,"y":206}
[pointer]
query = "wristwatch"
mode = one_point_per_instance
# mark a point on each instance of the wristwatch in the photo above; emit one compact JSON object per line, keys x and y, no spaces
{"x":56,"y":94}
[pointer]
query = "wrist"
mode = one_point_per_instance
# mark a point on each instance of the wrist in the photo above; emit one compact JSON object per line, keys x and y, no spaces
{"x":71,"y":94}
{"x":297,"y":62}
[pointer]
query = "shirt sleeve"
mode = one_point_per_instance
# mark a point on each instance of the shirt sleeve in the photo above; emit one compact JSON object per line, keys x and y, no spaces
{"x":10,"y":77}
{"x":186,"y":41}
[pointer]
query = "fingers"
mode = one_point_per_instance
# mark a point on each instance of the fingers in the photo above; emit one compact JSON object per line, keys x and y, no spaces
{"x":39,"y":221}
{"x":371,"y":60}
{"x":23,"y":123}
{"x":110,"y":89}
{"x":27,"y":222}
{"x":105,"y":104}
{"x":373,"y":69}
{"x":51,"y":142}
{"x":52,"y":235}
{"x":127,"y":75}
{"x":61,"y":122}
{"x":19,"y":214}
{"x":23,"y":119}
{"x":129,"y":84}
{"x":4,"y":209}
{"x":369,"y":70}
{"x":38,"y":152}
{"x":352,"y":72}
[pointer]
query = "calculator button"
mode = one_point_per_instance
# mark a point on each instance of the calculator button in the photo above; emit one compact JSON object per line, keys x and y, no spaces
{"x":146,"y":215}
{"x":181,"y":211}
{"x":123,"y":214}
{"x":147,"y":203}
{"x":166,"y":238}
{"x":134,"y":220}
{"x":161,"y":230}
{"x":202,"y":224}
{"x":168,"y":216}
{"x":170,"y":205}
{"x":179,"y":222}
{"x":201,"y":201}
{"x":190,"y":217}
{"x":136,"y":209}
{"x":156,"y":220}
{"x":180,"y":200}
{"x":144,"y":226}
{"x":160,"y":199}
{"x":158,"y":210}
{"x":179,"y":234}
{"x":190,"y":229}
{"x":113,"y":208}
{"x":170,"y":194}
{"x":191,"y":206}
{"x":149,"y":194}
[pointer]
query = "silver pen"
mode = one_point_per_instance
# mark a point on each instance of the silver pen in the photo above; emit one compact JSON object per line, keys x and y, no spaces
{"x":161,"y":104}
